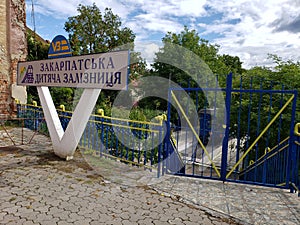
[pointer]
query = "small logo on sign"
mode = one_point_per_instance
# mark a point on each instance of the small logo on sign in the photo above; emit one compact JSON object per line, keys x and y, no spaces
{"x":59,"y":47}
{"x":28,"y":78}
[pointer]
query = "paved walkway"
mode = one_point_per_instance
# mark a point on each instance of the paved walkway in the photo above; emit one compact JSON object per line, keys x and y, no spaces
{"x":36,"y":187}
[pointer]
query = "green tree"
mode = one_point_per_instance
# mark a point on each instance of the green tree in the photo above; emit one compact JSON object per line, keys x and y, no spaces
{"x":190,"y":40}
{"x":232,"y":63}
{"x":93,"y":32}
{"x":37,"y":48}
{"x":286,"y":72}
{"x":252,"y":112}
{"x":189,"y":60}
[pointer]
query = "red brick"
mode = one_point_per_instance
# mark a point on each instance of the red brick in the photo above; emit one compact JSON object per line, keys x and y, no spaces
{"x":13,"y":40}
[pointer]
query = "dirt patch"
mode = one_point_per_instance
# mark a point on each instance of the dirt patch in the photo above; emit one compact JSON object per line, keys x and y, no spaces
{"x":49,"y":158}
{"x":10,"y":150}
{"x":20,"y":157}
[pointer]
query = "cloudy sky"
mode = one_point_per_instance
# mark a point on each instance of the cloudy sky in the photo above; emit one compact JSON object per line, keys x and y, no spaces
{"x":249,"y":29}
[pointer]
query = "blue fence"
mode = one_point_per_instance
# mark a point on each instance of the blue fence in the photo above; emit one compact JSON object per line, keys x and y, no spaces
{"x":248,"y":139}
{"x":136,"y":142}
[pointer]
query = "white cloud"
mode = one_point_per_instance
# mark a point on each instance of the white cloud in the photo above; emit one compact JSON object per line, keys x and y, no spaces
{"x":148,"y":50}
{"x":153,"y":23}
{"x":55,"y":8}
{"x":162,"y":16}
{"x":63,"y":9}
{"x":190,"y":8}
{"x":122,"y":9}
{"x":254,"y":36}
{"x":249,"y":29}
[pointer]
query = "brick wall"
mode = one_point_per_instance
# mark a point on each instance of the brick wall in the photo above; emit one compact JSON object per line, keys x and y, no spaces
{"x":13,"y":48}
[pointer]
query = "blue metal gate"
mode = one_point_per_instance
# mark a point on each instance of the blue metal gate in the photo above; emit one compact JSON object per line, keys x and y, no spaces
{"x":243,"y":132}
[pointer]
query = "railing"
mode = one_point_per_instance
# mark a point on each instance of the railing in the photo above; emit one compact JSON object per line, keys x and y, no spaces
{"x":135,"y":142}
{"x":270,"y":168}
{"x":144,"y":144}
{"x":278,"y":165}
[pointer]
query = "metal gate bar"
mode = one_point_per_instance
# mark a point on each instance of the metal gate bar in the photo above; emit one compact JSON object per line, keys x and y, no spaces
{"x":260,"y":135}
{"x":196,"y":134}
{"x":274,"y":117}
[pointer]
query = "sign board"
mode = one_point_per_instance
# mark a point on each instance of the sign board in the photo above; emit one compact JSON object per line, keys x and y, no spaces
{"x":102,"y":71}
{"x":59,"y":47}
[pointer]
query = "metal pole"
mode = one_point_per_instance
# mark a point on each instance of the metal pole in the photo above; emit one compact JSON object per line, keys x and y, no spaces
{"x":227,"y":122}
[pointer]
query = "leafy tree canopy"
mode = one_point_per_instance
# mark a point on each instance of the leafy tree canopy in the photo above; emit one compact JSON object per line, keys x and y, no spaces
{"x":92,"y":31}
{"x":211,"y":60}
{"x":186,"y":55}
{"x":37,"y":48}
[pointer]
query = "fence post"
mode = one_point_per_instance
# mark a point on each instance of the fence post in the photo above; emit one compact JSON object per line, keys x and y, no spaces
{"x":292,"y":156}
{"x":166,"y":138}
{"x":160,"y":169}
{"x":227,"y":130}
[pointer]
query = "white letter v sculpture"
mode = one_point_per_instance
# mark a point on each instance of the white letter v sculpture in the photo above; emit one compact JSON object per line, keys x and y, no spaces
{"x":65,"y":142}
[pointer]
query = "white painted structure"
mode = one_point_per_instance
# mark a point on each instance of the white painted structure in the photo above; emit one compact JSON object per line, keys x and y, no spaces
{"x":92,"y":72}
{"x":65,"y":142}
